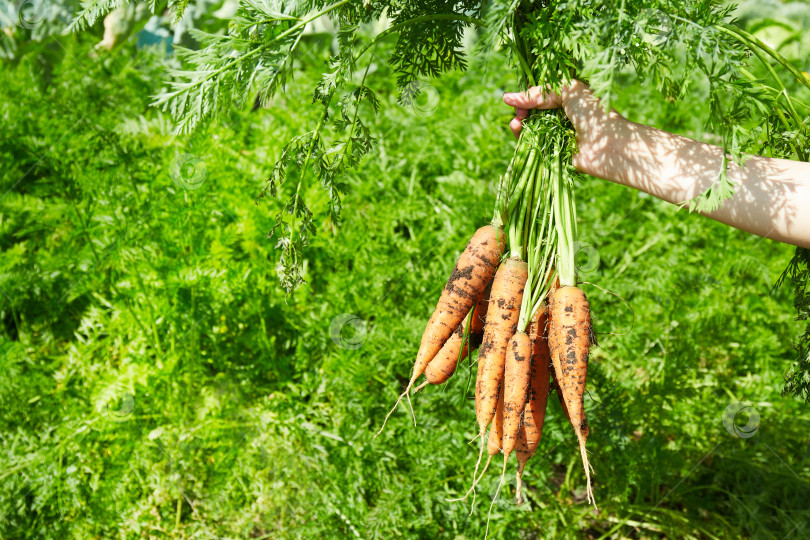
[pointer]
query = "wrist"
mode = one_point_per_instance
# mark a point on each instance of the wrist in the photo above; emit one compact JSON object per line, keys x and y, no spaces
{"x":598,"y":132}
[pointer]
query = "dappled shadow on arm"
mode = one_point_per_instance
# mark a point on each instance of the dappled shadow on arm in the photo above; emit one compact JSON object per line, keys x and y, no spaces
{"x":770,"y":199}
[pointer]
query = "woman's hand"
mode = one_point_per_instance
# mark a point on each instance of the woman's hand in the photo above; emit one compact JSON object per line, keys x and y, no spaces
{"x":589,"y":118}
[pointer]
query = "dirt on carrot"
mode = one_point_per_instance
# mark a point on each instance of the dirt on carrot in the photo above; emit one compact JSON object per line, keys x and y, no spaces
{"x":569,"y":343}
{"x":531,"y":431}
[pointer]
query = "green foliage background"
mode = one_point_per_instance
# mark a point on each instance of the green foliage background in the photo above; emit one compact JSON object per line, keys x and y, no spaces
{"x":156,"y":383}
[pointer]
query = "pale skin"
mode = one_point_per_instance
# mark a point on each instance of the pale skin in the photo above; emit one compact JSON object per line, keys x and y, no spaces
{"x":771,"y":197}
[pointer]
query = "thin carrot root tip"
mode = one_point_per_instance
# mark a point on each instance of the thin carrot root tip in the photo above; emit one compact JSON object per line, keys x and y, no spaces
{"x":410,"y":405}
{"x":587,"y":466}
{"x":497,"y":492}
{"x":420,"y":387}
{"x":475,"y":483}
{"x":387,"y":416}
{"x":475,"y":472}
{"x":406,"y":393}
{"x":518,"y":498}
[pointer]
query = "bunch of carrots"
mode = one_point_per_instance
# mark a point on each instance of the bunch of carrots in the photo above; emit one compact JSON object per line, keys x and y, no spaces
{"x":513,"y":293}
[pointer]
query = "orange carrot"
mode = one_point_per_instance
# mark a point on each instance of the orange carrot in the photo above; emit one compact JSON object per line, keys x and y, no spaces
{"x":469,"y":277}
{"x":535,"y":411}
{"x":495,"y":440}
{"x":570,"y":340}
{"x":480,"y":324}
{"x":558,"y":390}
{"x":514,"y":392}
{"x":480,"y":317}
{"x":501,"y":324}
{"x":444,"y":364}
{"x":502,"y":318}
{"x":517,"y":375}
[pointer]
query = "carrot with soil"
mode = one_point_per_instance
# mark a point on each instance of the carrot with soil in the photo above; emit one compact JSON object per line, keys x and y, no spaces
{"x":495,"y":438}
{"x":534,"y":413}
{"x":570,"y":341}
{"x":469,"y":277}
{"x":570,"y":333}
{"x":517,"y":375}
{"x":502,"y":318}
{"x":453,"y":351}
{"x":466,"y":337}
{"x":532,"y":236}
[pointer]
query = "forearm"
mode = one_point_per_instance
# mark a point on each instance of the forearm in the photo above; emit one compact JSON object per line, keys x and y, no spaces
{"x":771,"y":198}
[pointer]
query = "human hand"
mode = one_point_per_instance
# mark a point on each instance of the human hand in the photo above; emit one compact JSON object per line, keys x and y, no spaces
{"x":595,"y":128}
{"x":576,"y":99}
